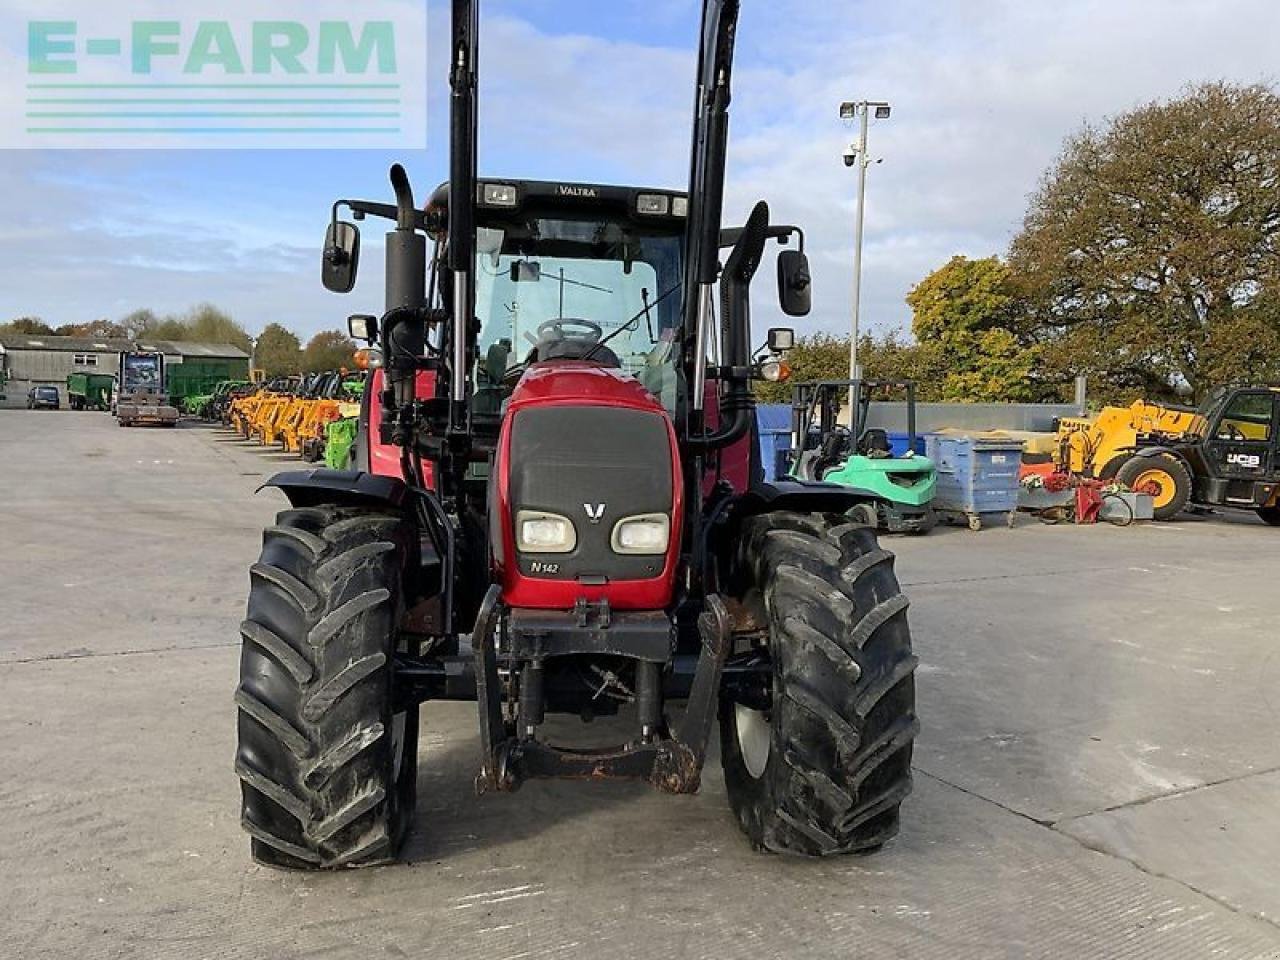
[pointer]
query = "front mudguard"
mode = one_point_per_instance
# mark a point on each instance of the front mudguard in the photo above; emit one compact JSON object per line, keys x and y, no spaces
{"x":306,"y":488}
{"x":800,"y":496}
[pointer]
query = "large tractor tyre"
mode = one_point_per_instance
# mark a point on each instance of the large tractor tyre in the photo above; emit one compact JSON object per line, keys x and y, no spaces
{"x":327,"y":758}
{"x":1270,"y":515}
{"x":1166,"y":474}
{"x":825,"y":769}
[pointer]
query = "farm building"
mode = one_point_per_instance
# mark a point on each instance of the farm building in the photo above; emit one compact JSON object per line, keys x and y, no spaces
{"x":30,"y":360}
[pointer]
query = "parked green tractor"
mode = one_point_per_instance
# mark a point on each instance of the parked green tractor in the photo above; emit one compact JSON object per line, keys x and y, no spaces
{"x":901,"y":483}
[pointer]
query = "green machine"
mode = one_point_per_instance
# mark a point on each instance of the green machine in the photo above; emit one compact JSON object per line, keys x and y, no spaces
{"x":901,"y":481}
{"x":89,"y":391}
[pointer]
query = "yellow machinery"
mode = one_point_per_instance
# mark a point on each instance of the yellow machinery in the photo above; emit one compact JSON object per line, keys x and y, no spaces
{"x":289,"y":420}
{"x":1098,"y":446}
{"x":265,"y":425}
{"x":242,"y":411}
{"x":1219,"y":455}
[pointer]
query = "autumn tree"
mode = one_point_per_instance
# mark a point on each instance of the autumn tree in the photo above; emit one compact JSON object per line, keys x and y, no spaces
{"x":207,"y":324}
{"x":965,"y":315}
{"x":1151,"y":252}
{"x":31,"y":326}
{"x":887,"y":356}
{"x":278,"y":351}
{"x":328,"y":350}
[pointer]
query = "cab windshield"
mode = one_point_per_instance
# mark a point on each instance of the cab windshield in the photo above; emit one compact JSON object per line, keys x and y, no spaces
{"x":570,"y":288}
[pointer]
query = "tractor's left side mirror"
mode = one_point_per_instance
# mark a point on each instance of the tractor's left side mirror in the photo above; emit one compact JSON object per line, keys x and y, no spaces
{"x":793,"y":283}
{"x":341,"y":256}
{"x":781,"y":339}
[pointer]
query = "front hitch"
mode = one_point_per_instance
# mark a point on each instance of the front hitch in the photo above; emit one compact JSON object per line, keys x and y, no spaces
{"x":673,"y":764}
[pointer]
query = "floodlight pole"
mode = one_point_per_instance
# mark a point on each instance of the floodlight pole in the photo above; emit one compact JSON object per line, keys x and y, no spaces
{"x":862,"y":109}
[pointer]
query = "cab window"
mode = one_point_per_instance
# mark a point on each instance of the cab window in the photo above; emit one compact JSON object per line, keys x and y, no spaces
{"x":1248,"y":416}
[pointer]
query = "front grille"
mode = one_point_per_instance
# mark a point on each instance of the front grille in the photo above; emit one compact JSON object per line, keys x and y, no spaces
{"x":594,"y":465}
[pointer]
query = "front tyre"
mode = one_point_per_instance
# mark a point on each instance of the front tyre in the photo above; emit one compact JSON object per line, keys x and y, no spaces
{"x":1270,"y":515}
{"x":825,"y":769}
{"x":326,"y":757}
{"x":1164,"y":476}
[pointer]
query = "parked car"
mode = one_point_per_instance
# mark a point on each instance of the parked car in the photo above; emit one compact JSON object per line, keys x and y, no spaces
{"x":43,"y":396}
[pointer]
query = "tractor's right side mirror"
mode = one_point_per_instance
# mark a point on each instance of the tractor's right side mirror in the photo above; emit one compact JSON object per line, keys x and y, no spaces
{"x":341,"y":256}
{"x":793,"y":283}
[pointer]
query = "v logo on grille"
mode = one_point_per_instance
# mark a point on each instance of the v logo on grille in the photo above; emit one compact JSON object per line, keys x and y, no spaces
{"x":594,"y":513}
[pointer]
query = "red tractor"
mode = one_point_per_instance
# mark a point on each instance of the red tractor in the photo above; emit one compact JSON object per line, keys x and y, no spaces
{"x":560,"y":508}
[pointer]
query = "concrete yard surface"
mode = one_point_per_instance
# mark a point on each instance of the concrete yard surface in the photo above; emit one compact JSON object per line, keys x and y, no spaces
{"x":1098,"y":773}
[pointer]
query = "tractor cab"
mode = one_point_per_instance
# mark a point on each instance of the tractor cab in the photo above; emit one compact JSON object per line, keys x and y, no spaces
{"x":575,"y":272}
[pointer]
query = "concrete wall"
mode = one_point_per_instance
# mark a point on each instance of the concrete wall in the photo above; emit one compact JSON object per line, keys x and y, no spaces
{"x":971,"y":416}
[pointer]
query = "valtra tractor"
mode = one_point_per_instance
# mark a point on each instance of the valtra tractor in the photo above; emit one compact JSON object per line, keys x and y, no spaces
{"x":562,"y":511}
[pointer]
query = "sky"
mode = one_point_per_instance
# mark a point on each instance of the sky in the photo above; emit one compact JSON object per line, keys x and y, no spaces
{"x":983,"y":95}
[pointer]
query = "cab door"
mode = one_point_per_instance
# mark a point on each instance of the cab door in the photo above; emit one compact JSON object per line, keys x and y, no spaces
{"x":1243,"y":439}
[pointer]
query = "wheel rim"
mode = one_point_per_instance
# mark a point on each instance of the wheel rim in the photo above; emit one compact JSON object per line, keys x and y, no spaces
{"x":398,"y":722}
{"x":755,"y":736}
{"x":1165,"y":487}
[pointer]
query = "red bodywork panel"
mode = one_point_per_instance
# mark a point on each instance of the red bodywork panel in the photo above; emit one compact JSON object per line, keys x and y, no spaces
{"x":384,"y":458}
{"x":735,"y":459}
{"x":573,"y":383}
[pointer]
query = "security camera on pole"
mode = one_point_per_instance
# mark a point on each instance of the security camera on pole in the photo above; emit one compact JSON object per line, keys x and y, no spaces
{"x":856,"y":154}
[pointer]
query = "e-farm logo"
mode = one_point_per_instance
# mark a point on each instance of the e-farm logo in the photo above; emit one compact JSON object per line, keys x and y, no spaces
{"x":308,"y":77}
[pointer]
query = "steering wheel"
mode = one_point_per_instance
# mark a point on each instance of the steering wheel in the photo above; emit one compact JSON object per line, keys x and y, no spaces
{"x":569,"y":328}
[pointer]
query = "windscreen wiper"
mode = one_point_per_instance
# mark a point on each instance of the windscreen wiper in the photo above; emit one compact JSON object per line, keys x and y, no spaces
{"x":644,"y":312}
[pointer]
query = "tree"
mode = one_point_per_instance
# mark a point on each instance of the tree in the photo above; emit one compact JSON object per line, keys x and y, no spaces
{"x":1153,"y":246}
{"x":817,"y":357}
{"x":884,"y":356}
{"x":278,"y":351}
{"x":31,"y":326}
{"x":94,"y":328}
{"x":328,"y":350}
{"x":138,"y":322}
{"x":207,"y":324}
{"x":965,"y":314}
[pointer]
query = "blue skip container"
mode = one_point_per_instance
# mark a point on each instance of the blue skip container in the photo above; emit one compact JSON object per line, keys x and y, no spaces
{"x":774,"y":422}
{"x":978,"y":478}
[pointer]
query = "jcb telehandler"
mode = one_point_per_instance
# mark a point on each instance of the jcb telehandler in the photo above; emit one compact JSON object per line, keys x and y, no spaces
{"x":564,"y":512}
{"x":1228,"y":456}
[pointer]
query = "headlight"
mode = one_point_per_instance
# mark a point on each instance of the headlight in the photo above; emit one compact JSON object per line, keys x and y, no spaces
{"x":654,"y":204}
{"x":498,"y":195}
{"x":775,"y":371}
{"x":645,"y":534}
{"x":538,"y":532}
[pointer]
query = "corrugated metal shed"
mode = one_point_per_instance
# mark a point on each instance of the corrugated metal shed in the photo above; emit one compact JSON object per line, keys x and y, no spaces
{"x":189,"y":348}
{"x":20,"y":341}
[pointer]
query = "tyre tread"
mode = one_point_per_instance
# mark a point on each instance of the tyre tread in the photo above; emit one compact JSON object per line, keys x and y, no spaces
{"x":844,"y":716}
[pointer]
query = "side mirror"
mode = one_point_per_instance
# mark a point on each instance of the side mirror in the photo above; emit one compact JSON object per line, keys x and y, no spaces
{"x":781,"y":339}
{"x":341,"y":256}
{"x":363,"y":326}
{"x":794,"y":286}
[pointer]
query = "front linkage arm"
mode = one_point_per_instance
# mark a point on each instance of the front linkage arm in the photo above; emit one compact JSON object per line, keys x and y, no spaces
{"x":672,"y":764}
